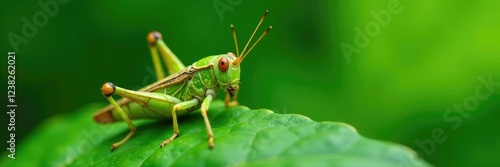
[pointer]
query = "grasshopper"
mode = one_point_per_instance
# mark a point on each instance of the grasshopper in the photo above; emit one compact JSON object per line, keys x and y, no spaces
{"x":184,"y":90}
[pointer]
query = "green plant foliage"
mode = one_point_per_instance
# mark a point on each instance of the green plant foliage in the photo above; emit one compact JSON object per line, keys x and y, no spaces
{"x":243,"y":137}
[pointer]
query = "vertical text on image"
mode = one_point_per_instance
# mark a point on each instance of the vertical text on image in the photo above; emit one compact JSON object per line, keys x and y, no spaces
{"x":11,"y":106}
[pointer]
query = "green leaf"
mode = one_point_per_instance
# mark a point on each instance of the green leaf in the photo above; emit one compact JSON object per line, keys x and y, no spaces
{"x":243,"y":137}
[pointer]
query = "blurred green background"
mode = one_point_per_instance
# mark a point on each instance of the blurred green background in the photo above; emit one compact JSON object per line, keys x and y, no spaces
{"x":396,"y":85}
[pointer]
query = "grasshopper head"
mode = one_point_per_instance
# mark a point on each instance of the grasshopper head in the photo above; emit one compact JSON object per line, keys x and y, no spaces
{"x":227,"y":73}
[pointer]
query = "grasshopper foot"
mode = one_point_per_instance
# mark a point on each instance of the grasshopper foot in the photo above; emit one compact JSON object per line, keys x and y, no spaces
{"x":120,"y":143}
{"x":164,"y":143}
{"x":232,"y":103}
{"x":113,"y":148}
{"x":211,"y":142}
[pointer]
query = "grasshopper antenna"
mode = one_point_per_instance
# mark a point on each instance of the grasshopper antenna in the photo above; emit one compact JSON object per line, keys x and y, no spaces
{"x":261,"y":36}
{"x":235,"y":41}
{"x":243,"y":53}
{"x":258,"y":25}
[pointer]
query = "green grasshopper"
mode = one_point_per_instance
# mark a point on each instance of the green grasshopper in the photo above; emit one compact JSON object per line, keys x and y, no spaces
{"x":184,"y":90}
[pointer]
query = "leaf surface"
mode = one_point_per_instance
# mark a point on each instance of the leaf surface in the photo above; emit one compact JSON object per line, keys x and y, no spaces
{"x":243,"y":137}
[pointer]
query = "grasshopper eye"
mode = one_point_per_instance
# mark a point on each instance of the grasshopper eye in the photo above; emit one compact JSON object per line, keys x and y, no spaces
{"x":223,"y":64}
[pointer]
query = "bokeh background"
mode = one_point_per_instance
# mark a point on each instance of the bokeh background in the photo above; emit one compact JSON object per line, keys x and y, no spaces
{"x":397,"y":86}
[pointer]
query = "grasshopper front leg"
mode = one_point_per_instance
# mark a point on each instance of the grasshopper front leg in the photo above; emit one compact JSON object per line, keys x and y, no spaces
{"x":204,"y":108}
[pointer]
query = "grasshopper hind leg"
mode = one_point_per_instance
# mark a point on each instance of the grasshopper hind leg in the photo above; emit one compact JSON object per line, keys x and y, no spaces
{"x":108,"y":89}
{"x":157,"y":45}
